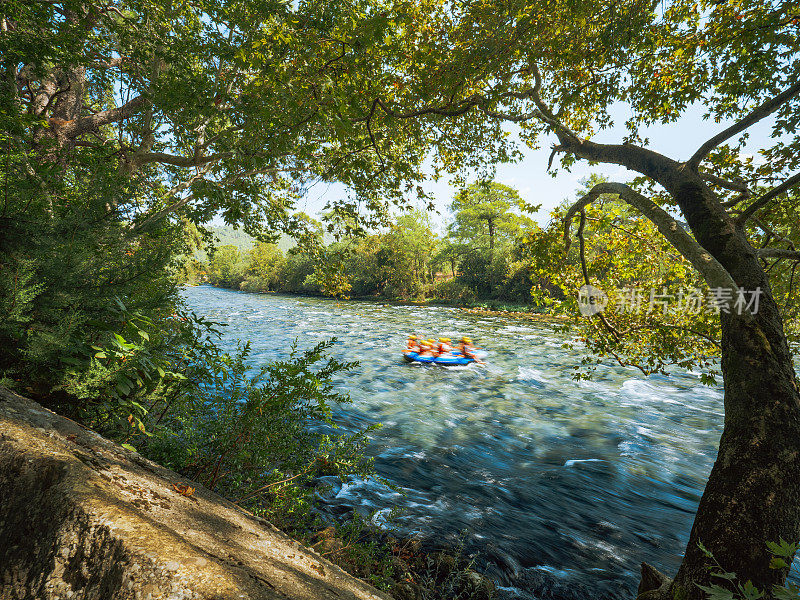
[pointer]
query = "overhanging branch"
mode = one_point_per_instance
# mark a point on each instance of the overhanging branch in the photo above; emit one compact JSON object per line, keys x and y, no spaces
{"x":735,"y":186}
{"x":758,"y":113}
{"x":768,"y":197}
{"x":712,"y":271}
{"x":142,"y":158}
{"x":181,"y":202}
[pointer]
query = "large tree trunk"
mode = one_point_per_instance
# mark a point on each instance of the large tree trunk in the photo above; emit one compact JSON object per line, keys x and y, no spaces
{"x":753,"y":493}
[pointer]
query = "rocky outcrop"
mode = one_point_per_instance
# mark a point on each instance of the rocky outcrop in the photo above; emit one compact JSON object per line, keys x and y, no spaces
{"x":83,"y":518}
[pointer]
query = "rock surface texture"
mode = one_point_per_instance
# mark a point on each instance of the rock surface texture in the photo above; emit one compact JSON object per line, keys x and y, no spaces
{"x":83,"y":518}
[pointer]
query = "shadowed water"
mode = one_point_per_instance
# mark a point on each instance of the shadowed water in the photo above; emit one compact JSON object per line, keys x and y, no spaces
{"x":564,"y":486}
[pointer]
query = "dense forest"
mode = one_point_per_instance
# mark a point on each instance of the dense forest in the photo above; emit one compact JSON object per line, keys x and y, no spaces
{"x":127,"y":127}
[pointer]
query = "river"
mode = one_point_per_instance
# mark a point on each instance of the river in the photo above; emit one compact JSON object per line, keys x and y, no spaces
{"x":563,"y":487}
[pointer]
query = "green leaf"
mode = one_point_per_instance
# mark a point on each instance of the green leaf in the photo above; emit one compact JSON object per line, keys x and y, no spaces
{"x":716,"y":592}
{"x":101,"y":355}
{"x":783,"y":549}
{"x":129,"y":447}
{"x":777,"y":563}
{"x":143,"y":429}
{"x":144,"y":335}
{"x":751,"y":592}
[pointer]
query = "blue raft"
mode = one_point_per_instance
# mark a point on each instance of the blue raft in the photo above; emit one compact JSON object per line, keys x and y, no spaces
{"x":453,"y":359}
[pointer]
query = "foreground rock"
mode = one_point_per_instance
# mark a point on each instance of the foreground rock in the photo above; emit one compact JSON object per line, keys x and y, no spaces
{"x":83,"y":518}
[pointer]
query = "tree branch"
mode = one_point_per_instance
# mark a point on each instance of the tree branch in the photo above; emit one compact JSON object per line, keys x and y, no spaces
{"x":138,"y":159}
{"x":582,"y":252}
{"x":712,"y":271}
{"x":734,"y":186}
{"x":73,"y":129}
{"x":758,"y":113}
{"x":178,"y":204}
{"x":771,"y":233}
{"x":778,"y":253}
{"x":768,"y":197}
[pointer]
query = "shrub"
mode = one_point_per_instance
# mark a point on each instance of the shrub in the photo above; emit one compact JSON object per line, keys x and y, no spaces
{"x":258,"y":436}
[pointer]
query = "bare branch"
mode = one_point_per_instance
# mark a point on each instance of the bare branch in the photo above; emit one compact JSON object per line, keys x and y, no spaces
{"x":705,"y":336}
{"x":768,"y":197}
{"x":771,"y":233}
{"x":758,"y":113}
{"x":714,"y":273}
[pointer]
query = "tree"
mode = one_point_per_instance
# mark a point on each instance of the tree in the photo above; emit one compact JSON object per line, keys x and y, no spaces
{"x":226,"y":267}
{"x":265,"y":264}
{"x":448,"y":253}
{"x":623,"y":253}
{"x":405,"y":253}
{"x":230,"y":109}
{"x":559,"y":68}
{"x":487,"y":212}
{"x":484,"y":210}
{"x":198,"y":108}
{"x":391,"y":264}
{"x":121,"y":122}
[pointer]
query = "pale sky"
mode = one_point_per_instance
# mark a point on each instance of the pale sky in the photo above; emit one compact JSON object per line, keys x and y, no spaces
{"x":530,"y":177}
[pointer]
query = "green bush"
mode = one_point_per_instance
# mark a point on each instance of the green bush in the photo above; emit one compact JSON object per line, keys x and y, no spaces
{"x":258,"y":436}
{"x":453,"y":290}
{"x":227,"y":267}
{"x":67,"y":256}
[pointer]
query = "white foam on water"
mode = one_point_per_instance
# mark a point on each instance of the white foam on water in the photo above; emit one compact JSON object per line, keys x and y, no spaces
{"x":530,"y":374}
{"x":627,"y":448}
{"x":381,"y":518}
{"x":553,"y":570}
{"x":345,"y":490}
{"x":574,"y":461}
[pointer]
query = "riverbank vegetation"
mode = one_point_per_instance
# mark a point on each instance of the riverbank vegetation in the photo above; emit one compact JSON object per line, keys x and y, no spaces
{"x":478,"y":259}
{"x":126,"y":127}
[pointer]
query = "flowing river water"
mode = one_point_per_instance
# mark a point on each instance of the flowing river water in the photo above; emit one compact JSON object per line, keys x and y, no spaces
{"x":563,"y":487}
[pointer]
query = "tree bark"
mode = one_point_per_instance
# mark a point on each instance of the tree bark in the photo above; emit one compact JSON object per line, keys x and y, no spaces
{"x":753,"y":493}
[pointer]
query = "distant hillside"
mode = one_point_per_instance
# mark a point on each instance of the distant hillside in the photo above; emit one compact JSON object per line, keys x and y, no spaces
{"x":228,"y":236}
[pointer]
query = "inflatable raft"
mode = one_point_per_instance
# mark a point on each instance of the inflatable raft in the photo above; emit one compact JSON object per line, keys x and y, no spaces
{"x":453,"y":359}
